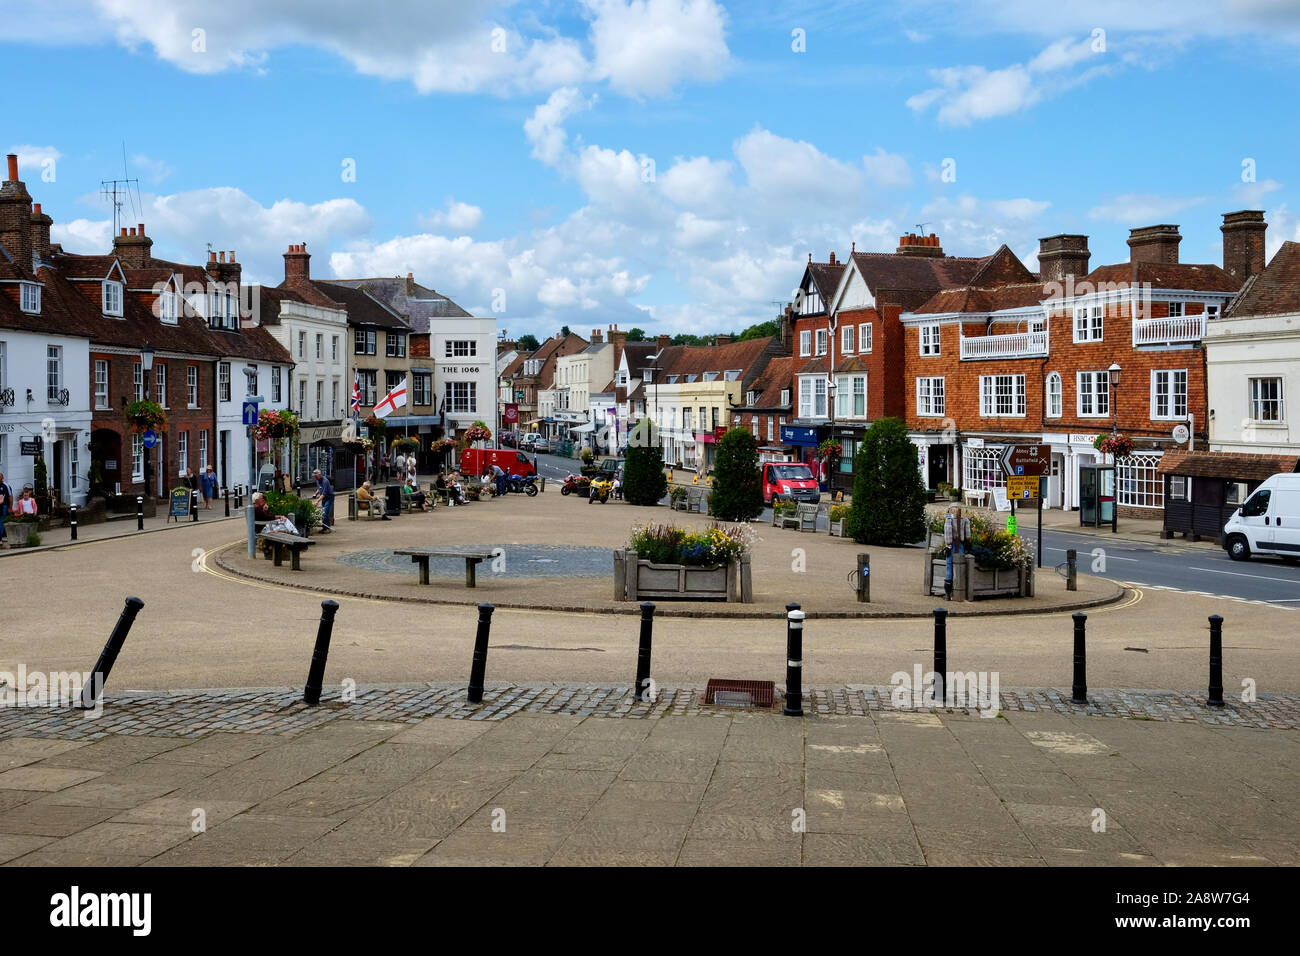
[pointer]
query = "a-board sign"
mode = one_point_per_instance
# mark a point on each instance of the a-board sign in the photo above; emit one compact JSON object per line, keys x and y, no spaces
{"x":180,"y":503}
{"x":1022,"y":489}
{"x":1000,"y":501}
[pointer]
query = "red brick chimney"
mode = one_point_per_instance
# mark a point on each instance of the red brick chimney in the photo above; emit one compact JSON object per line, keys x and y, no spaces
{"x":914,"y":245}
{"x":1062,"y":257}
{"x":619,"y":339}
{"x":726,"y":339}
{"x":410,"y":283}
{"x":596,"y":337}
{"x":663,"y":341}
{"x":1154,"y":244}
{"x":40,"y":232}
{"x":832,"y":259}
{"x":1243,"y":243}
{"x":297,"y":263}
{"x":787,"y":330}
{"x":133,"y":247}
{"x":15,"y":217}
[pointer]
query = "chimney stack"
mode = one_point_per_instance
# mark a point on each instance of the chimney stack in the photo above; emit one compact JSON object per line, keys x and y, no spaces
{"x":297,"y":263}
{"x":618,"y":338}
{"x":1154,"y":244}
{"x":914,"y":245}
{"x":832,"y":260}
{"x":40,"y":232}
{"x":410,"y":283}
{"x":663,"y":341}
{"x":596,"y":337}
{"x":1063,"y":258}
{"x":787,"y":330}
{"x":133,"y":247}
{"x":726,"y":339}
{"x":1243,"y":243}
{"x":225,"y":271}
{"x":15,"y":218}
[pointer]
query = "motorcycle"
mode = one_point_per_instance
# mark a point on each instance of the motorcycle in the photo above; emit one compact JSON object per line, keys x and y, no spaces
{"x":600,"y":490}
{"x":575,"y":485}
{"x":520,"y":484}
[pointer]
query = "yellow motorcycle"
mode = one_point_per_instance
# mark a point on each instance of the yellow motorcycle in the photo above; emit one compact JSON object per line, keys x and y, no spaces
{"x":600,"y":490}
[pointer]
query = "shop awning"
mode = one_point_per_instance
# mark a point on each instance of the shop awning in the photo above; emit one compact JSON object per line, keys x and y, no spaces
{"x":582,"y":429}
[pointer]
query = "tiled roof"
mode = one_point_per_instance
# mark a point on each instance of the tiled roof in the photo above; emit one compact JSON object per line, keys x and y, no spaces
{"x":363,"y":308}
{"x":64,"y":310}
{"x":253,"y":342}
{"x":1276,"y":290}
{"x":777,"y":376}
{"x":1018,"y":296}
{"x":698,"y":359}
{"x":84,"y":267}
{"x":908,"y":281}
{"x":1227,"y":465}
{"x":1165,"y":275}
{"x":814,"y":366}
{"x":418,"y":305}
{"x":827,"y":276}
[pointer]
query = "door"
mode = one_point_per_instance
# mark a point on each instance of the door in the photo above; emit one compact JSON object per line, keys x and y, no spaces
{"x":1254,"y":514}
{"x":939,"y":464}
{"x":1087,"y":496}
{"x":1285,"y":512}
{"x":59,"y":478}
{"x":1054,"y":489}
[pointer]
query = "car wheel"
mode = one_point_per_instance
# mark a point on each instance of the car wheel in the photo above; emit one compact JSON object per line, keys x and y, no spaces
{"x":1238,"y":548}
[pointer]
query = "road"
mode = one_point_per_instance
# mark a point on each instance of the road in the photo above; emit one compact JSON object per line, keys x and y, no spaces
{"x":1168,"y":566}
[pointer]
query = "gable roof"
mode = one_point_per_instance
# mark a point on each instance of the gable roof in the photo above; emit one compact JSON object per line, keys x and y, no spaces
{"x":418,"y":305}
{"x":827,"y":277}
{"x":775,"y":378}
{"x":363,"y":308}
{"x":1276,"y":290}
{"x":907,"y":281}
{"x":1164,"y":275}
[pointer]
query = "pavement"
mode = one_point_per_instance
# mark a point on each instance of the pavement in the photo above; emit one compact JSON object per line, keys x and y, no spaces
{"x":723,"y":788}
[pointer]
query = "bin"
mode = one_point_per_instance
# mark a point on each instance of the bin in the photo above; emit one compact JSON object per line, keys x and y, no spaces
{"x":393,"y":500}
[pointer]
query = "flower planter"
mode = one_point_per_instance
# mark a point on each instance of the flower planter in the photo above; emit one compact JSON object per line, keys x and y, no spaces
{"x":636,"y":579}
{"x":970,"y":582}
{"x":837,"y":528}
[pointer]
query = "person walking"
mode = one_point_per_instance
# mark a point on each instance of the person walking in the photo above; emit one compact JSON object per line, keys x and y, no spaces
{"x":26,"y":503}
{"x":956,"y":538}
{"x":6,"y":505}
{"x":325,"y":498}
{"x":208,"y":483}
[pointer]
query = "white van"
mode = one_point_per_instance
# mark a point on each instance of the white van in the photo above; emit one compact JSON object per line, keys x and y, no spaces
{"x":1268,"y":522}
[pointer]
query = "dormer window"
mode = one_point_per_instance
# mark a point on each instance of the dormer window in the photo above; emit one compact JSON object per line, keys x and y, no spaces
{"x":710,"y":376}
{"x":31,"y":297}
{"x":167,"y":307}
{"x":731,"y":375}
{"x":112,"y":297}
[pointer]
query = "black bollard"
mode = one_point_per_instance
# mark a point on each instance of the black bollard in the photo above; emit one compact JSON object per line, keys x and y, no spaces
{"x":316,"y":674}
{"x":643,"y":652}
{"x":479,"y":666}
{"x":72,"y":521}
{"x":108,"y":656}
{"x":793,"y":661}
{"x":1071,"y":570}
{"x":194,"y":506}
{"x":1216,"y":661}
{"x":1079,"y":692}
{"x":940,"y":656}
{"x":227,"y":502}
{"x":139,"y":513}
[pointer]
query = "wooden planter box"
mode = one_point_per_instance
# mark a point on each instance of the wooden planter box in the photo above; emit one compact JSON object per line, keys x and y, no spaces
{"x":970,"y":582}
{"x":639,"y":580}
{"x":837,"y":528}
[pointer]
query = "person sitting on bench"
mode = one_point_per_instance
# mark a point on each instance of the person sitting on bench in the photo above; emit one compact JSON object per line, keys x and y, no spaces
{"x":418,"y":498}
{"x":366,"y":494}
{"x":261,"y":510}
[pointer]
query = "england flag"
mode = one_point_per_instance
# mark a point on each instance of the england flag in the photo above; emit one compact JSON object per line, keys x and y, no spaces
{"x":393,"y":400}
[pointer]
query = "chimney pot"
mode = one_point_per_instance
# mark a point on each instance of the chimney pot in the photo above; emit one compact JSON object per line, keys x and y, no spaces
{"x":212,"y":256}
{"x":124,"y":230}
{"x":36,"y":208}
{"x":1154,"y":244}
{"x":232,"y":251}
{"x":13,"y":167}
{"x":132,"y":231}
{"x":141,"y":232}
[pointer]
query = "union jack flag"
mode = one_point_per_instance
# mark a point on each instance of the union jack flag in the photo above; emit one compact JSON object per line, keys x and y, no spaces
{"x":356,"y":394}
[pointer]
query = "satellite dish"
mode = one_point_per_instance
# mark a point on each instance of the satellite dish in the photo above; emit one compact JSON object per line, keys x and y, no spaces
{"x":1181,"y":434}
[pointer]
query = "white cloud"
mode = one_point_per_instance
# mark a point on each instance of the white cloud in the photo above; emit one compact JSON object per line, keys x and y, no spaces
{"x":544,"y":129}
{"x":887,"y":170}
{"x":648,"y":47}
{"x":916,"y":36}
{"x":155,"y":170}
{"x":793,"y":171}
{"x":1252,"y":194}
{"x":458,"y":216}
{"x":968,"y":225}
{"x":31,"y":158}
{"x":1133,"y":209}
{"x":83,"y":236}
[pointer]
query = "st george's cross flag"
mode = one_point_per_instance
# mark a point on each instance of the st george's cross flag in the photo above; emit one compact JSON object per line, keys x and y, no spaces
{"x":356,"y":394}
{"x":393,"y":400}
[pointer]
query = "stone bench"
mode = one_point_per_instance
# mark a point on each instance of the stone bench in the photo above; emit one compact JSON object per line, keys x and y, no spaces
{"x":421,"y":557}
{"x":280,"y":543}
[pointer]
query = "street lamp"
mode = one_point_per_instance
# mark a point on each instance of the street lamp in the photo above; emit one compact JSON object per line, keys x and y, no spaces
{"x":1113,"y":383}
{"x":146,"y":368}
{"x":830,"y":426}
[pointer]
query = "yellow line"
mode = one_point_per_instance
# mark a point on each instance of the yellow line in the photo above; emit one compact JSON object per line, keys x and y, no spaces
{"x":264,"y":586}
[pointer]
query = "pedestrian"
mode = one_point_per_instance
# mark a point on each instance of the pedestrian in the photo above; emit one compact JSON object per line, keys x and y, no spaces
{"x":499,"y":477}
{"x":325,"y":498}
{"x":26,"y":503}
{"x":956,"y":538}
{"x":6,"y":504}
{"x":208,"y":483}
{"x":412,"y":470}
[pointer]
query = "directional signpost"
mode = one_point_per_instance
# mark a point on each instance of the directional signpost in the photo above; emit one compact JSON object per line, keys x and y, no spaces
{"x":1026,"y":466}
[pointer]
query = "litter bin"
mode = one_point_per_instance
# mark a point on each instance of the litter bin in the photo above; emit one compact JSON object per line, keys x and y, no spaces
{"x":393,"y":500}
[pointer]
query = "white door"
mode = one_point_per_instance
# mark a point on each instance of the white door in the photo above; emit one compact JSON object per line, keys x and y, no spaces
{"x":1054,"y":482}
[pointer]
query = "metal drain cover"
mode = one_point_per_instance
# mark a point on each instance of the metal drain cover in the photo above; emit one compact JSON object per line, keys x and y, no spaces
{"x":739,"y":693}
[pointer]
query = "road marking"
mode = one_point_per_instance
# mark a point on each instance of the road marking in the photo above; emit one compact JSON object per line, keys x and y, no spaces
{"x":1207,"y":594}
{"x":1239,"y":574}
{"x":1109,"y":557}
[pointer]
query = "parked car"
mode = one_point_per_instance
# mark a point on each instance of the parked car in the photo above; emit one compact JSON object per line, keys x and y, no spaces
{"x":541,"y":445}
{"x":526,"y":441}
{"x":791,"y":480}
{"x":610,"y":467}
{"x":508,"y":439}
{"x":1268,"y":522}
{"x":474,"y":461}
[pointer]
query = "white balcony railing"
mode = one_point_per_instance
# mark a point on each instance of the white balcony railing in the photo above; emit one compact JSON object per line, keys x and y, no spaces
{"x":1166,"y":331}
{"x":1011,"y":345}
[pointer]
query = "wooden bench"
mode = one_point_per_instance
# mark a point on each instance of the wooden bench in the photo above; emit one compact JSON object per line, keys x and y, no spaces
{"x":280,"y":543}
{"x":806,"y":516}
{"x":375,"y":507}
{"x":696,"y":500}
{"x":780,"y":520}
{"x":421,"y":557}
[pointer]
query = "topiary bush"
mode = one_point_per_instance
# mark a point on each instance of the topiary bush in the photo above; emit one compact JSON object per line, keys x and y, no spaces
{"x":644,"y":481}
{"x":888,"y":494}
{"x":737,"y":481}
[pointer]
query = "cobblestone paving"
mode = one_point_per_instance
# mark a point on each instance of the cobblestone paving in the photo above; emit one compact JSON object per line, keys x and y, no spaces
{"x":281,"y":711}
{"x":520,"y":561}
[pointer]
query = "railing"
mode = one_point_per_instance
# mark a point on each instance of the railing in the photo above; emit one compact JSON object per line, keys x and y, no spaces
{"x":58,"y":396}
{"x":7,"y":398}
{"x":1166,"y":331}
{"x":1011,"y":345}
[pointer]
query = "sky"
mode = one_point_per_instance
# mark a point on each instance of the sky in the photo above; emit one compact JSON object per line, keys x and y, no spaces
{"x":662,"y":164}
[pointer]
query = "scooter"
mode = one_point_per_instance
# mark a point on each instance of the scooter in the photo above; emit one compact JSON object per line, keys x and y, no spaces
{"x":600,"y":490}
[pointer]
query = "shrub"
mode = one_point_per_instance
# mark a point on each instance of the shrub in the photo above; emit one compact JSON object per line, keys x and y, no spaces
{"x":784,"y":507}
{"x":301,"y":511}
{"x":33,"y":540}
{"x":737,"y":481}
{"x":668,"y":544}
{"x":888,"y":495}
{"x":644,"y":481}
{"x":837,"y":512}
{"x":676,"y":494}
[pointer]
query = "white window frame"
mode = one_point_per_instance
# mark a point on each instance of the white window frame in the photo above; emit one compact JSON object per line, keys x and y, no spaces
{"x":805,"y":342}
{"x":1257,"y":401}
{"x":1171,"y":395}
{"x":223,"y":381}
{"x":990,"y":396}
{"x":395,"y":345}
{"x":930,"y":338}
{"x":334,"y":399}
{"x":302,"y":343}
{"x":112,"y":293}
{"x":160,"y":383}
{"x":182,"y":452}
{"x":137,"y":458}
{"x":192,"y":386}
{"x":277,"y":387}
{"x":137,"y":379}
{"x":320,"y":398}
{"x":930,"y":401}
{"x":1136,"y":483}
{"x":466,"y":403}
{"x":785,"y":397}
{"x":1089,"y":323}
{"x":1099,"y":397}
{"x":101,"y":384}
{"x":334,"y":348}
{"x":982,"y":468}
{"x":846,"y":340}
{"x":30,"y":298}
{"x":1055,"y":396}
{"x":822,"y":341}
{"x":203,"y":450}
{"x":1176,"y":309}
{"x":864,"y":338}
{"x":458,"y":348}
{"x":167,"y":311}
{"x":53,"y":373}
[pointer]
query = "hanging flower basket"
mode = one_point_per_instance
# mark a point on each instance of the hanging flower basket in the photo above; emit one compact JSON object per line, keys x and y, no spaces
{"x":276,"y":426}
{"x":830,"y":450}
{"x":441,"y":445}
{"x":478,"y":432}
{"x":145,"y":415}
{"x":405,"y":444}
{"x":376,"y":425}
{"x":1115,"y":445}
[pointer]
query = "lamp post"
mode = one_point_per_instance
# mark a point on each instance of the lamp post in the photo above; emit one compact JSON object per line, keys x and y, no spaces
{"x":146,"y":367}
{"x":1113,"y":385}
{"x":830,"y":426}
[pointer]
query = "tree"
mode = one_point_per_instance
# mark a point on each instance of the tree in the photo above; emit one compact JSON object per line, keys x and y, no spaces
{"x":564,"y":331}
{"x":644,"y":481}
{"x":888,"y":496}
{"x":760,"y":331}
{"x":636,"y":335}
{"x":528,"y":343}
{"x":737,"y":483}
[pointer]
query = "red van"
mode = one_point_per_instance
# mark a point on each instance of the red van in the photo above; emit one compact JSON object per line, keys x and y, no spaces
{"x":474,"y":461}
{"x":792,"y":480}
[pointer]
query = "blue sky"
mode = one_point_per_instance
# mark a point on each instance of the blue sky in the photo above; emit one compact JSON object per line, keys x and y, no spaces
{"x":667,"y":164}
